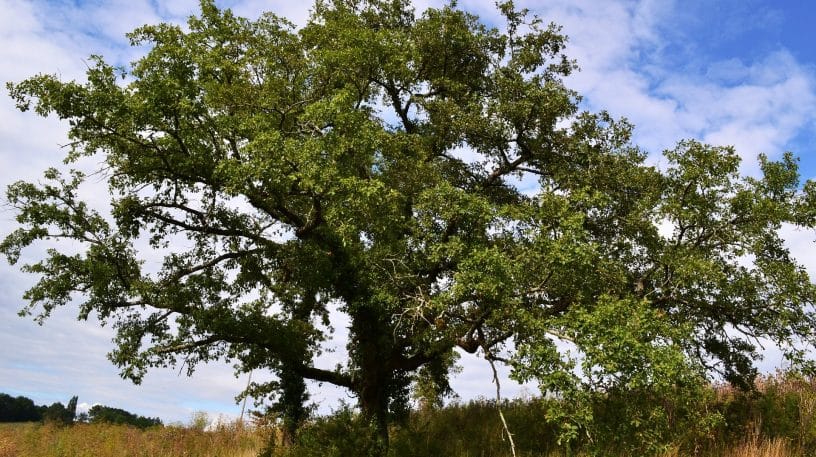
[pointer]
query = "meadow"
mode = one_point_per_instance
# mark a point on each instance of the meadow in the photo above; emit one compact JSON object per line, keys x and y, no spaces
{"x":777,"y":419}
{"x":108,"y":440}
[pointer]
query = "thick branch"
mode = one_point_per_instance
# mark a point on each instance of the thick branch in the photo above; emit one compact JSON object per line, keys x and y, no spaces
{"x":185,"y":346}
{"x":321,"y":375}
{"x":213,"y":262}
{"x":396,"y":102}
{"x":206,"y":229}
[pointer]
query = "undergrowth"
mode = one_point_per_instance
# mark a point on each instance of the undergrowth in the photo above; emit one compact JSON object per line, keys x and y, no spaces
{"x":777,"y":419}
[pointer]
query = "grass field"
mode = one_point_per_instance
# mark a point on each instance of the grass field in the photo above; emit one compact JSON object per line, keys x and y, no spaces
{"x":99,"y":440}
{"x":103,"y":440}
{"x":778,"y":419}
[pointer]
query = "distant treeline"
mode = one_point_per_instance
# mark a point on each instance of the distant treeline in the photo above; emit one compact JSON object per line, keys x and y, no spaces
{"x":19,"y":409}
{"x":106,"y":414}
{"x":23,"y":409}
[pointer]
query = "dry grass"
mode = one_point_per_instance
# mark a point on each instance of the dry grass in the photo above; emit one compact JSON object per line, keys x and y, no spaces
{"x":103,"y":440}
{"x":752,"y":447}
{"x":7,"y":447}
{"x":99,"y":440}
{"x":778,"y":420}
{"x":774,"y":448}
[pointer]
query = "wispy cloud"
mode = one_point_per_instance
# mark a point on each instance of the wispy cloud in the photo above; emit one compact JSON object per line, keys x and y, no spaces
{"x":757,"y":107}
{"x":629,"y":66}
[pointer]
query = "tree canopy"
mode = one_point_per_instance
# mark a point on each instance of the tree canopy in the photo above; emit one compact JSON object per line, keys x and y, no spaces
{"x":428,"y":176}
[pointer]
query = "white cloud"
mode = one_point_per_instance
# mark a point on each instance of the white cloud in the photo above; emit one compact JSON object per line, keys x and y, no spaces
{"x":757,"y":106}
{"x":83,"y":407}
{"x":768,"y":102}
{"x":178,"y":10}
{"x":112,"y":19}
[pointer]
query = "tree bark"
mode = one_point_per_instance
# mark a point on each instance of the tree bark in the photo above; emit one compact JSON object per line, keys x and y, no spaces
{"x":373,"y":350}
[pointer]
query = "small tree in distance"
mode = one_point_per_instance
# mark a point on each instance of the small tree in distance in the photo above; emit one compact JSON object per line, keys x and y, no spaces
{"x":377,"y":163}
{"x":70,"y":410}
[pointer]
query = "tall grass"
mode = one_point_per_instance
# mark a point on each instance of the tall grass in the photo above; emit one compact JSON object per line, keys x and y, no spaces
{"x":776,"y":447}
{"x":106,"y":440}
{"x":777,"y":419}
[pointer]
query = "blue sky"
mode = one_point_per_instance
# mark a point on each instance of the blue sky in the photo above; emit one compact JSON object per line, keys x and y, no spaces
{"x":739,"y":72}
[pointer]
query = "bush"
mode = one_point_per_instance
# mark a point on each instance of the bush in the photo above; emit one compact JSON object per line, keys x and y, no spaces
{"x":343,"y":433}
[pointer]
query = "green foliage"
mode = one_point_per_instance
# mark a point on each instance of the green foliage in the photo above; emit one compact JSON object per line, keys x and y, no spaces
{"x":781,"y":406}
{"x":23,"y":409}
{"x":18,"y":409}
{"x":340,"y":434}
{"x":284,"y":174}
{"x":70,"y":410}
{"x":474,"y":428}
{"x":100,"y":414}
{"x":57,"y":414}
{"x":643,"y":422}
{"x":199,"y":420}
{"x":718,"y":421}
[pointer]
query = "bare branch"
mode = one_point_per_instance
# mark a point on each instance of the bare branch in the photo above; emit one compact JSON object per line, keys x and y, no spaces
{"x":490,"y":360}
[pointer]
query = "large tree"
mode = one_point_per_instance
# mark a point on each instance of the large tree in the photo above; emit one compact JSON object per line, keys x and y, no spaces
{"x":426,"y":175}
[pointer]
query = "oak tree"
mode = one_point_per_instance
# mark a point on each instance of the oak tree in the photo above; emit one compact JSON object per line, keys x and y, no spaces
{"x":424,"y":174}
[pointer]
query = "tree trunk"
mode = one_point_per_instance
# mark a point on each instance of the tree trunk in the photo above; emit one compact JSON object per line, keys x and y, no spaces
{"x":373,"y":350}
{"x":291,"y":404}
{"x":375,"y":414}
